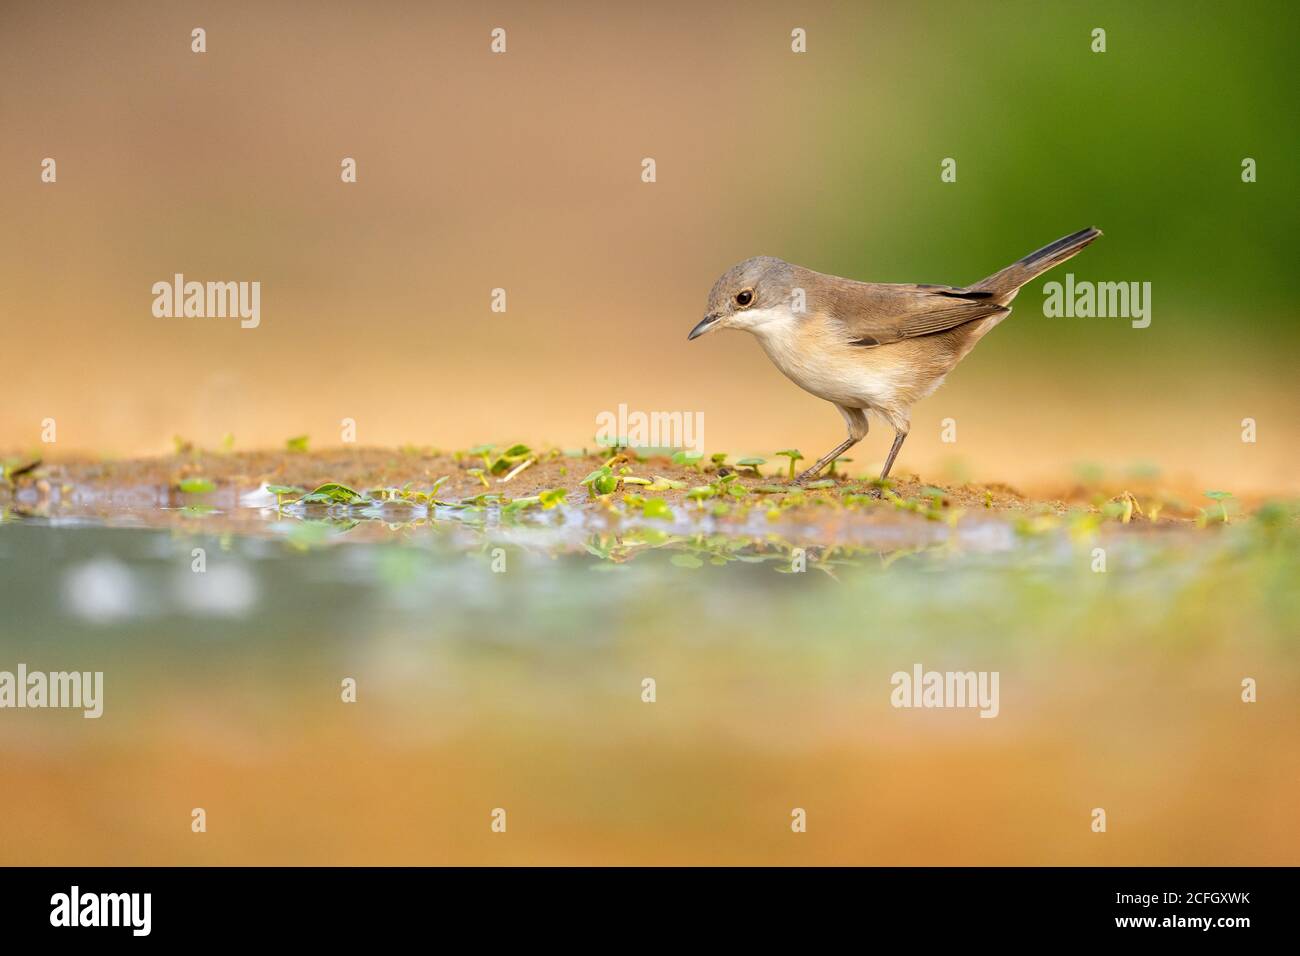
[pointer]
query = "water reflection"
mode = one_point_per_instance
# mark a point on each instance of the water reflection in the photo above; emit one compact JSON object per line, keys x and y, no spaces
{"x":497,"y":666}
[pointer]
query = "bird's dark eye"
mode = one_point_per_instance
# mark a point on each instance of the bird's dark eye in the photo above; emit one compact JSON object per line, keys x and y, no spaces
{"x":744,"y":297}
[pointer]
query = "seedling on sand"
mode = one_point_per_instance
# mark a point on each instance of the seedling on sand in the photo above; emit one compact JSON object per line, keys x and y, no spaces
{"x":794,"y":455}
{"x":1216,"y":512}
{"x":1122,"y":507}
{"x":657,"y":508}
{"x":332,"y":493}
{"x":280,"y":491}
{"x":509,"y":459}
{"x":602,"y":481}
{"x":14,"y":468}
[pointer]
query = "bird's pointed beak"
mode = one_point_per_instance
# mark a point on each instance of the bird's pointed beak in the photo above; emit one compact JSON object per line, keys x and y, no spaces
{"x":706,"y":323}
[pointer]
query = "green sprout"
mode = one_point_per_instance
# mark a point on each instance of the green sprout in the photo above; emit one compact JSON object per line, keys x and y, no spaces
{"x":1220,"y":510}
{"x":297,"y":445}
{"x":753,"y":463}
{"x":1122,"y":508}
{"x":936,"y":495}
{"x":549,"y":499}
{"x":794,"y":455}
{"x":478,"y":451}
{"x":718,"y":457}
{"x":509,"y":458}
{"x":281,"y":490}
{"x":10,"y":471}
{"x":687,"y":459}
{"x":331,"y":493}
{"x":831,"y":471}
{"x":701,"y":492}
{"x":602,"y":481}
{"x":196,"y":486}
{"x":527,"y":462}
{"x":481,"y":476}
{"x":728,"y":484}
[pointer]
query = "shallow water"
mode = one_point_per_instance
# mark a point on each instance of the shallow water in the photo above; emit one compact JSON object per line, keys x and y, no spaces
{"x":513,"y":679}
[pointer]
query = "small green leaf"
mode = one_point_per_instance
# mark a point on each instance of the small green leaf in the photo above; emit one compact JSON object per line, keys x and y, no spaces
{"x":196,"y":486}
{"x":331,"y":493}
{"x":297,"y":444}
{"x":794,"y":455}
{"x":657,"y":508}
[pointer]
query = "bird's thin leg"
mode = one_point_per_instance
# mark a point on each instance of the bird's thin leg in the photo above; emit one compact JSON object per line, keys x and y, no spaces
{"x":827,"y":458}
{"x":893,"y":453}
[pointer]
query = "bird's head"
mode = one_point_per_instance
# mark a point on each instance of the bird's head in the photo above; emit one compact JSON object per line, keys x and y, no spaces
{"x":748,"y":295}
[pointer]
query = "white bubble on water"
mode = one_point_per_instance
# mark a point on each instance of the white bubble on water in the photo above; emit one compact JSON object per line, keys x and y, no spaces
{"x":101,"y":590}
{"x":226,"y":589}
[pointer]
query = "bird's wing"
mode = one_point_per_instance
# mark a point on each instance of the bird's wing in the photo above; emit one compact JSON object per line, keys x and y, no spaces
{"x":878,"y":313}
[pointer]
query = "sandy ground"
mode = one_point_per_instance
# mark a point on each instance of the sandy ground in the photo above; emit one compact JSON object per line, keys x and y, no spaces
{"x":468,"y":475}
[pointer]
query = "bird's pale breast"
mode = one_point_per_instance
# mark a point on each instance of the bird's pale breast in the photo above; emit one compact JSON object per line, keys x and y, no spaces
{"x":888,"y":378}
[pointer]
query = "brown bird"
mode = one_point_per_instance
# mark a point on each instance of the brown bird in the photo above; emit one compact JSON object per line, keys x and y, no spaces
{"x":868,"y":347}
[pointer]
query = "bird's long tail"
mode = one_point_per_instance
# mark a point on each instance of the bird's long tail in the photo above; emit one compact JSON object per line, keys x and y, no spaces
{"x":1006,"y":282}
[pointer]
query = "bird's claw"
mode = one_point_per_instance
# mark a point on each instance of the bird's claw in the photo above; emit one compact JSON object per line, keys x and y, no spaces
{"x":806,"y":477}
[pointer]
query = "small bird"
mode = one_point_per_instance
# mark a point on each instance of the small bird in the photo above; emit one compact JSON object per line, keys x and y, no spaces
{"x":868,"y":347}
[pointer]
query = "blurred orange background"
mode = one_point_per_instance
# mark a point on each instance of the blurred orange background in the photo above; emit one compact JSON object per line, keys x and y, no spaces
{"x":522,"y":171}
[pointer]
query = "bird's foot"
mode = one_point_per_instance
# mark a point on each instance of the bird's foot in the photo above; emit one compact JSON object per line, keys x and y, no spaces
{"x":808,"y":475}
